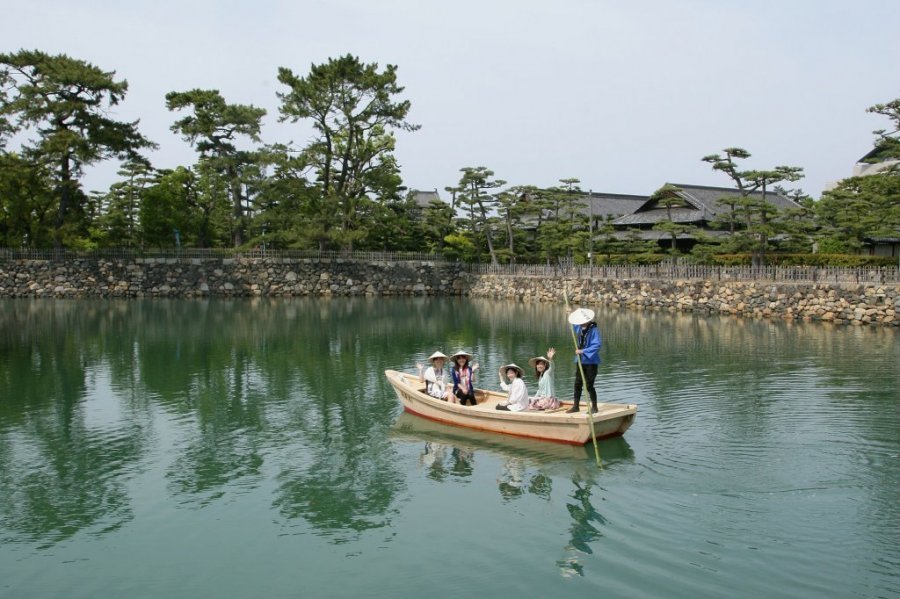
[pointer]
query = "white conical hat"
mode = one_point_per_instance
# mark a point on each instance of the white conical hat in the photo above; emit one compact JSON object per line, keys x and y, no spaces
{"x":533,"y":361}
{"x":581,"y":316}
{"x":435,"y":356}
{"x":461,"y":353}
{"x":503,"y":370}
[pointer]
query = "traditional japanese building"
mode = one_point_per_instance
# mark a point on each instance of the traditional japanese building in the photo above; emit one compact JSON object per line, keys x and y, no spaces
{"x":694,"y":206}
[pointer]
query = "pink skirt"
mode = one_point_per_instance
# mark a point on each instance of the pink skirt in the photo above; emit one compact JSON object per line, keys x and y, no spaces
{"x":543,"y":403}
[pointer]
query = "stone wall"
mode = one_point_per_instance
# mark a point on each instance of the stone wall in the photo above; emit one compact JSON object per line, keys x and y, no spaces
{"x":241,"y":277}
{"x":246,"y":277}
{"x":844,"y":303}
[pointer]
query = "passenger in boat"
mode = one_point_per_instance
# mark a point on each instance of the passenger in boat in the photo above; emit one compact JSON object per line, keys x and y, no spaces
{"x":587,"y":338}
{"x":463,"y":378}
{"x":518,"y":393}
{"x":545,"y":398}
{"x":435,"y":377}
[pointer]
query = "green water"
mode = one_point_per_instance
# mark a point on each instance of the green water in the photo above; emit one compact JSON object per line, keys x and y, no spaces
{"x":253,"y":448}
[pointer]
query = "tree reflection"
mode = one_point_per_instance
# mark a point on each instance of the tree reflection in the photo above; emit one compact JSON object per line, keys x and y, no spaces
{"x":226,"y":445}
{"x":342,"y":491}
{"x":59,"y":473}
{"x":62,"y":486}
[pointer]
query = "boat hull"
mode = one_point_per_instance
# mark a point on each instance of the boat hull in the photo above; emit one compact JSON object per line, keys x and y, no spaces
{"x":558,"y":426}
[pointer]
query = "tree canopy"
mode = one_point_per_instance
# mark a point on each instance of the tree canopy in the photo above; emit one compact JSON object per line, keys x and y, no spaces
{"x":342,"y":189}
{"x":353,"y":109}
{"x":64,"y":102}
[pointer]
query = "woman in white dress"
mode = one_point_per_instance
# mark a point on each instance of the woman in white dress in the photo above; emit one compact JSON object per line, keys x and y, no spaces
{"x":518,"y":393}
{"x":435,"y":376}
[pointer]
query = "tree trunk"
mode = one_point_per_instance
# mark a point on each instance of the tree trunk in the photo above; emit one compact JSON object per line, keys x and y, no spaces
{"x":237,"y":209}
{"x":509,"y":233}
{"x":65,"y":198}
{"x":487,"y":233}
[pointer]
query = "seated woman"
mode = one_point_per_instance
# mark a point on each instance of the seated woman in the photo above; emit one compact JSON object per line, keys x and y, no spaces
{"x":545,"y":398}
{"x":435,"y":377}
{"x":518,"y":393}
{"x":463,"y":378}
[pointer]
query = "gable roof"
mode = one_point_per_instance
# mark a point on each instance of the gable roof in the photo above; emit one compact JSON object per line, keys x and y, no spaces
{"x":599,"y":204}
{"x":702,"y":205}
{"x":708,"y":197}
{"x":423,"y":199}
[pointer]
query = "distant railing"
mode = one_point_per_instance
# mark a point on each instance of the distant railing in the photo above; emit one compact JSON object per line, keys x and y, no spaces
{"x":661,"y":271}
{"x":695,"y":272}
{"x":213,"y":253}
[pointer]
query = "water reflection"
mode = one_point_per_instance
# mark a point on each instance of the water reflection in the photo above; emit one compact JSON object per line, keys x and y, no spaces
{"x":226,"y":383}
{"x":584,"y":528}
{"x":202,"y":402}
{"x":341,"y":493}
{"x":524,"y":468}
{"x":408,"y":427}
{"x":61,"y":473}
{"x":511,"y":481}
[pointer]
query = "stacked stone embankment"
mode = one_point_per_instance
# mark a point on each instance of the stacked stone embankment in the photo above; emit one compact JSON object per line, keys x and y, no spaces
{"x":239,"y":277}
{"x":840,"y":303}
{"x":870,"y":303}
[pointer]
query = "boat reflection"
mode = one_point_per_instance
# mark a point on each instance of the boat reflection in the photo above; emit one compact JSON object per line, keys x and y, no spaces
{"x":466,"y":441}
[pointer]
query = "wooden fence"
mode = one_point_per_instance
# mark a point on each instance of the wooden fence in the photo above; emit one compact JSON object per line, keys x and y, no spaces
{"x":213,"y":254}
{"x":695,"y":272}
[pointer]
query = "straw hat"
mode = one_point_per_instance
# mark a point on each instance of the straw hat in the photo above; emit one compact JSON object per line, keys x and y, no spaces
{"x":435,"y":356}
{"x":461,"y":353}
{"x":581,"y":316}
{"x":503,"y":370}
{"x":533,"y":361}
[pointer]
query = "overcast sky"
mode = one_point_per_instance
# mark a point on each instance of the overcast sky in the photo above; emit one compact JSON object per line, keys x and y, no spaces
{"x":624,"y":95}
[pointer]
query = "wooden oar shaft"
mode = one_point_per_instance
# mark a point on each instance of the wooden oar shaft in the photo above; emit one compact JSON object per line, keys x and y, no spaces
{"x":590,"y":414}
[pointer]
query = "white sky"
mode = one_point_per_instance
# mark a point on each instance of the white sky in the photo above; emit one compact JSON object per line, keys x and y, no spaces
{"x":624,"y":95}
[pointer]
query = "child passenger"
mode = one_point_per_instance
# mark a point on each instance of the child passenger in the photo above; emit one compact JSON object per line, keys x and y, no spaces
{"x":435,"y":377}
{"x":518,"y":393}
{"x":463,"y":378}
{"x":545,"y":398}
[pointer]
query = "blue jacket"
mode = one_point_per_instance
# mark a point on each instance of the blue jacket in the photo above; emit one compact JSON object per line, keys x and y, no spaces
{"x":590,"y":344}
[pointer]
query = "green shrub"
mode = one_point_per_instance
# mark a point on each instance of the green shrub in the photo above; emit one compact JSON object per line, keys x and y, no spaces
{"x":819,"y":259}
{"x":831,"y":245}
{"x":731,"y":259}
{"x":637,"y":259}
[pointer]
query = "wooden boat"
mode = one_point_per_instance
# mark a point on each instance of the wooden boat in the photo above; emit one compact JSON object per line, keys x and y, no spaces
{"x":610,"y":420}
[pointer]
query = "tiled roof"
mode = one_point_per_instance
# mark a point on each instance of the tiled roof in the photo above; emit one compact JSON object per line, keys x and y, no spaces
{"x":423,"y":199}
{"x":651,"y":217}
{"x":705,"y":197}
{"x":703,"y":204}
{"x":614,"y":204}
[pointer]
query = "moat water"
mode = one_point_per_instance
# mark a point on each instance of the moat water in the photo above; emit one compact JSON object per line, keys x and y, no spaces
{"x":253,"y":448}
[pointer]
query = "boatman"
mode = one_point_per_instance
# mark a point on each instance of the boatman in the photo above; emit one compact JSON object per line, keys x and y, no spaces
{"x":587,"y":338}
